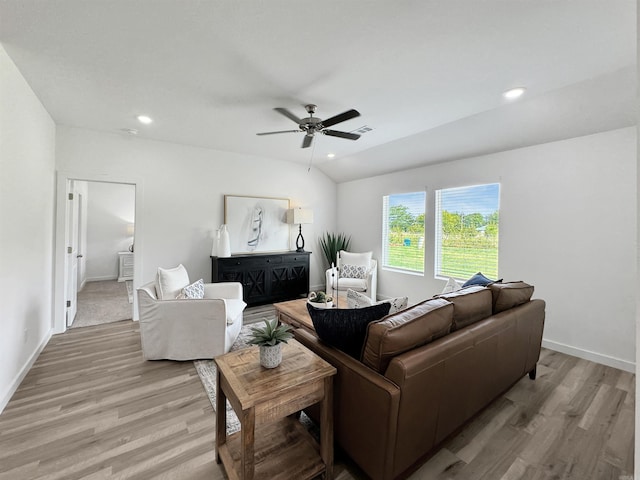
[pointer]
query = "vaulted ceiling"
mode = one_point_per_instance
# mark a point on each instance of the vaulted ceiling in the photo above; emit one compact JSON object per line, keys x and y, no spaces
{"x":427,"y":76}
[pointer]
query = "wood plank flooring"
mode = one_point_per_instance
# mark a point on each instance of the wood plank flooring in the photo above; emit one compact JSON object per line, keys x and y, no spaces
{"x":92,"y":408}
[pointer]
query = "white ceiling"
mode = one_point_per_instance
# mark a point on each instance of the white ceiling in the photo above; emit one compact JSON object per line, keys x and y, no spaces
{"x":426,"y":75}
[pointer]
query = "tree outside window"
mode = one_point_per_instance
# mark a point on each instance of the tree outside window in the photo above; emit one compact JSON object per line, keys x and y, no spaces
{"x":403,"y":231}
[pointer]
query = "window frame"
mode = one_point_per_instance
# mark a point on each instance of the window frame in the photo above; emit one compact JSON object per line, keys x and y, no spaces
{"x":438,"y":236}
{"x":384,"y":261}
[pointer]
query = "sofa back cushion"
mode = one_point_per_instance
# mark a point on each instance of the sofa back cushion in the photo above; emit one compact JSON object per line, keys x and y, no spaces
{"x":470,"y":305}
{"x":405,"y":330}
{"x":509,"y":295}
{"x":345,"y":328}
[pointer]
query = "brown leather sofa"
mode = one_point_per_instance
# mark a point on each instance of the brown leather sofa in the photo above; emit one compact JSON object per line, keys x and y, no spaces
{"x":427,"y":370}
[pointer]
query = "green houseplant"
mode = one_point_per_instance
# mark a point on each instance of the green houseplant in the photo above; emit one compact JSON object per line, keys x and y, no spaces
{"x":332,"y":243}
{"x":270,"y":339}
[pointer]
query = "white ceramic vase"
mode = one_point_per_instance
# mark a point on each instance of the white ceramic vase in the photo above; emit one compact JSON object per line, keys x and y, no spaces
{"x":216,"y":240}
{"x":224,"y":245}
{"x":270,"y":355}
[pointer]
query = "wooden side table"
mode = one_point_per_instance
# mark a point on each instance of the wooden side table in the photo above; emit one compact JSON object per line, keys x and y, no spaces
{"x":272,"y":444}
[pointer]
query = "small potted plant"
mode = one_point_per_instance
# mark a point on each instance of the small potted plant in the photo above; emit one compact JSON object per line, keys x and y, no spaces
{"x":270,"y":339}
{"x":320,"y":300}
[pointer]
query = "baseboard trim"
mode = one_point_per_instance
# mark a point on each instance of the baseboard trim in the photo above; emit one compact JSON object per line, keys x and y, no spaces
{"x":101,"y":279}
{"x":23,"y":371}
{"x":591,"y":356}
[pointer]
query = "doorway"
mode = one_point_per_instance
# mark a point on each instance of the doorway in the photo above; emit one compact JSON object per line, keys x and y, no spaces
{"x":103,"y":222}
{"x":96,"y":221}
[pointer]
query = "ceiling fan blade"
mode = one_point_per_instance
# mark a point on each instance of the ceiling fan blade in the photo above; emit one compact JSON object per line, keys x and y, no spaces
{"x":341,"y":117}
{"x":288,"y":114}
{"x":280,"y":131}
{"x":336,"y":133}
{"x":306,"y":141}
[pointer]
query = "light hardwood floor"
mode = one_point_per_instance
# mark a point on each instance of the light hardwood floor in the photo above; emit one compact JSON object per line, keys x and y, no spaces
{"x":92,"y":408}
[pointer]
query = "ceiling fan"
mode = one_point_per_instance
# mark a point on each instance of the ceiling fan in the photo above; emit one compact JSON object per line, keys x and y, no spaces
{"x":312,"y":125}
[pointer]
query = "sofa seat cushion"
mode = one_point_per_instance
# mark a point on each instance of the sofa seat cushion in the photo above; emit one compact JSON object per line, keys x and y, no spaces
{"x":345,"y":328}
{"x":406,"y":330}
{"x":357,"y":284}
{"x":470,"y":305}
{"x":509,"y":295}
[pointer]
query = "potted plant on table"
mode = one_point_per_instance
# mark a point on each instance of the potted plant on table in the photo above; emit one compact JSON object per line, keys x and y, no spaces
{"x":270,"y":339}
{"x":320,"y":300}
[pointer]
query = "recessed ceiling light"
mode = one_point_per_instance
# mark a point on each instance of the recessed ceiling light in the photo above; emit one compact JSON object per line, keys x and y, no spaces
{"x":331,"y":155}
{"x":514,"y":93}
{"x":144,"y":119}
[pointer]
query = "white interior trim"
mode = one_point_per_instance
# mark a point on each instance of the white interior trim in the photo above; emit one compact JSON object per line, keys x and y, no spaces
{"x":15,"y":383}
{"x":61,"y":240}
{"x":591,"y":356}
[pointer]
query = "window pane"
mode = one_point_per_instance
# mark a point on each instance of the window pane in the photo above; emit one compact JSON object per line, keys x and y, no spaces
{"x":403,"y":231}
{"x":467,"y":221}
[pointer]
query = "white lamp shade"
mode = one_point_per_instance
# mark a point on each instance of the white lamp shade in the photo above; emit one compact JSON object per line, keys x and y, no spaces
{"x":299,"y":215}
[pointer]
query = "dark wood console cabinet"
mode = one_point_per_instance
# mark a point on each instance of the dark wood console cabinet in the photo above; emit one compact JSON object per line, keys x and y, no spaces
{"x":265,"y":278}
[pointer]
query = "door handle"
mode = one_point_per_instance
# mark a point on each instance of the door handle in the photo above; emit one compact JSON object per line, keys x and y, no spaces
{"x":79,"y":255}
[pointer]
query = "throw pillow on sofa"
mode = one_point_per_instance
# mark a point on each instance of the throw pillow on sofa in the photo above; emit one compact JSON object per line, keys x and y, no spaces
{"x":358,"y":300}
{"x":451,"y":286}
{"x":193,"y":291}
{"x":171,"y":281}
{"x":343,"y":328}
{"x":479,"y":279}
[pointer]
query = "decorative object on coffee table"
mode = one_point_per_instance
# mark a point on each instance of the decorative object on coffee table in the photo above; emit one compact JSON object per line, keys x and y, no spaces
{"x":270,"y":339}
{"x":320,"y":300}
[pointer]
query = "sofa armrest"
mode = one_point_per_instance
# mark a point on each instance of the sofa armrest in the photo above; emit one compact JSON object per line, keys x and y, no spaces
{"x":231,"y":290}
{"x":365,"y":409}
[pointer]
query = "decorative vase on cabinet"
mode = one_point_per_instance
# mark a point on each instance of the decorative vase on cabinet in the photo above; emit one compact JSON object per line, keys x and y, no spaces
{"x":224,"y":245}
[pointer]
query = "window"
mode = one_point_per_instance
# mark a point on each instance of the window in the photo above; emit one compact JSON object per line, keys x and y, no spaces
{"x":403,"y":231}
{"x":467,"y":231}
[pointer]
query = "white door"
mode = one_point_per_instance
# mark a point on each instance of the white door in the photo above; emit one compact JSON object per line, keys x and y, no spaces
{"x":72,"y":254}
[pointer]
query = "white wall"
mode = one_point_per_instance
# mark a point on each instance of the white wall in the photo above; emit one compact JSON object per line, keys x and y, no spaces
{"x":110,"y":208}
{"x":27,"y":180}
{"x":567,"y":225}
{"x":182,"y":199}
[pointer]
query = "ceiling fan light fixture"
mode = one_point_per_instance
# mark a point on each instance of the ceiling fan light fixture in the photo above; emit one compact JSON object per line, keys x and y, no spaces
{"x":514,"y":93}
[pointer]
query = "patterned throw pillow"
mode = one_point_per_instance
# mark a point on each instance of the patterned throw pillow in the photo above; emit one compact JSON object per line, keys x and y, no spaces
{"x":194,"y":291}
{"x":359,"y":300}
{"x":353,"y":271}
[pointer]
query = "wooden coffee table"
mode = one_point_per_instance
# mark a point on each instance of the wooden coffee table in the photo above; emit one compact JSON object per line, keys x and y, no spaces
{"x":295,"y":313}
{"x":272,"y":444}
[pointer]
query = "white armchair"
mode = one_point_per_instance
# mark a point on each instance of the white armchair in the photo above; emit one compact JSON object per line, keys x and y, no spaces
{"x":355,"y":271}
{"x":188,"y":329}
